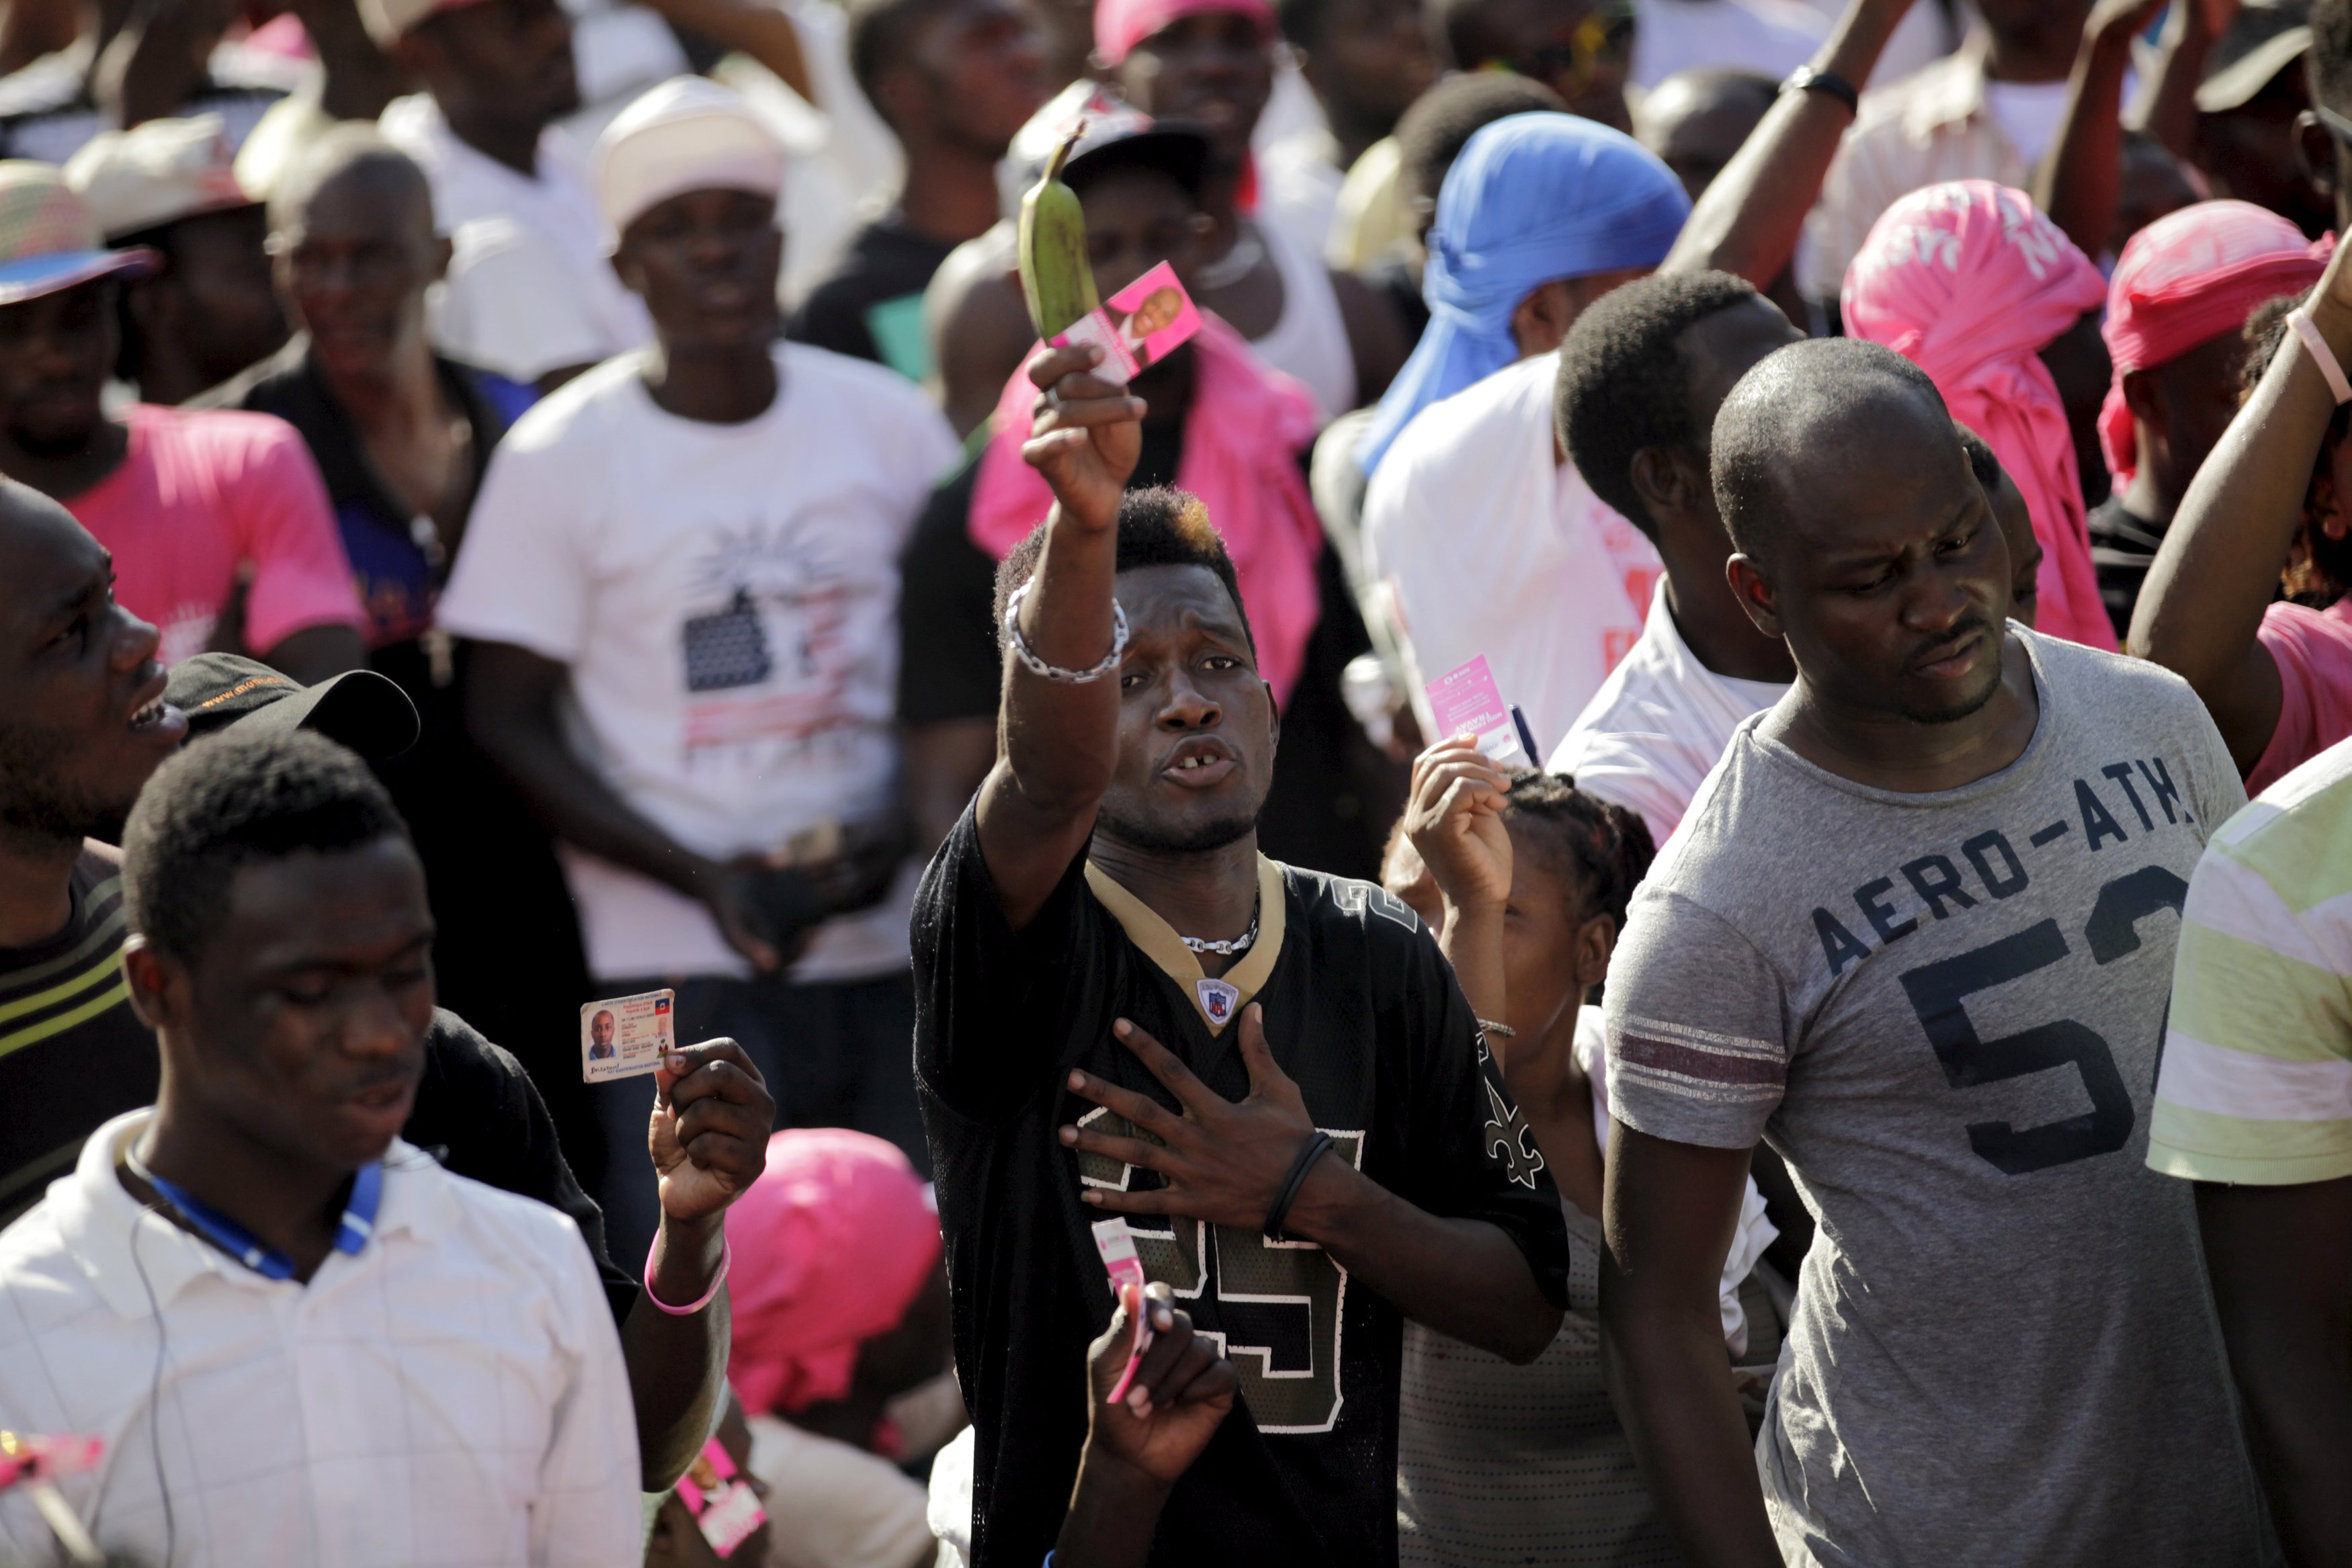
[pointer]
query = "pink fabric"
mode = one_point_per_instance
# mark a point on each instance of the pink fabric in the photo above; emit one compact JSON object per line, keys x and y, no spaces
{"x":206,"y":497}
{"x":1968,"y":281}
{"x":2312,"y":650}
{"x":831,"y":1246}
{"x":1121,"y":24}
{"x":2186,"y":279}
{"x":1243,"y":436}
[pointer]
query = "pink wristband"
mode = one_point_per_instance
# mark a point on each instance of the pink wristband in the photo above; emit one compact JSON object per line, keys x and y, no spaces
{"x":2316,"y":344}
{"x":725,"y":1256}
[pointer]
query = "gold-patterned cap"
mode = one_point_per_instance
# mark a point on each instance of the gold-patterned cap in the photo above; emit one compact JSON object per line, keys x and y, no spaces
{"x":49,"y":240}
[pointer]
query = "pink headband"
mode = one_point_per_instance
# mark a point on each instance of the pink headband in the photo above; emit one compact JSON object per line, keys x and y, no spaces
{"x":1121,"y":24}
{"x":2186,"y":279}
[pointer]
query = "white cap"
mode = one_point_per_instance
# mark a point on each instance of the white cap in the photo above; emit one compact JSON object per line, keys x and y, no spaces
{"x":688,"y":134}
{"x":157,"y":172}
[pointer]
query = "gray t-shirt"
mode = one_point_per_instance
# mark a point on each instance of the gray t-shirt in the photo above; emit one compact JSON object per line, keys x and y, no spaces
{"x":1943,"y":1010}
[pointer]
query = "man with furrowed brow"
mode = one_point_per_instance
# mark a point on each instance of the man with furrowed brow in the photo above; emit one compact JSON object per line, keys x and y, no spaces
{"x":1124,"y":1009}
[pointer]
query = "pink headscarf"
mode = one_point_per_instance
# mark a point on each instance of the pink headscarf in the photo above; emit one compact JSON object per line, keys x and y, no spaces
{"x":1121,"y":24}
{"x":2186,"y":279}
{"x":829,"y":1248}
{"x":1968,"y":282}
{"x":1243,"y":435}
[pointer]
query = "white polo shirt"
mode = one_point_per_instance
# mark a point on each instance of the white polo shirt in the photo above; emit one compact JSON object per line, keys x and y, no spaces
{"x":453,"y":1393}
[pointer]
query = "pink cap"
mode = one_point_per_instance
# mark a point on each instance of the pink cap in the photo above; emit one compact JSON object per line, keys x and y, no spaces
{"x":830,"y":1246}
{"x":1121,"y":24}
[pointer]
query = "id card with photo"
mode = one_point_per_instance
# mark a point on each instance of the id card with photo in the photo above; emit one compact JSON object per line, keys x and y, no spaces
{"x":1466,"y":701}
{"x":622,"y":1037}
{"x":1142,"y":324}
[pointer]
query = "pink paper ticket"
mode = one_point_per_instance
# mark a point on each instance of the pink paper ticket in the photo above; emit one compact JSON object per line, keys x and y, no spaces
{"x":1466,"y":701}
{"x":1142,"y":325}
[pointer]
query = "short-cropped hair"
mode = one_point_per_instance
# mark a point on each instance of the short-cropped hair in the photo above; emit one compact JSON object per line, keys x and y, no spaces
{"x":1156,"y":526}
{"x":230,"y":801}
{"x":1795,"y":401}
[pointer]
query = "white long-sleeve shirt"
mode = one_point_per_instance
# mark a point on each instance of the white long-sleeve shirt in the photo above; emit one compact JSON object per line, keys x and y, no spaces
{"x":451,"y":1395}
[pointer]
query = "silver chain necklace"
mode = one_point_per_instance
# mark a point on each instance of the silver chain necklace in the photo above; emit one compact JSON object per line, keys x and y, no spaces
{"x":1240,"y":944}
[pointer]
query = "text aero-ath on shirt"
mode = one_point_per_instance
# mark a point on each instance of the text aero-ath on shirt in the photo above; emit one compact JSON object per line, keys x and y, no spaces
{"x":1943,"y":1010}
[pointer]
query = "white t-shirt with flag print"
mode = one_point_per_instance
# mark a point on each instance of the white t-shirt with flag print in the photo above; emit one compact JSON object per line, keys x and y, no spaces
{"x":725,"y":598}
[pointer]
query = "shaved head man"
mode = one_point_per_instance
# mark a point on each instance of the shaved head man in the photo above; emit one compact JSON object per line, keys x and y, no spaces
{"x":1916,"y":931}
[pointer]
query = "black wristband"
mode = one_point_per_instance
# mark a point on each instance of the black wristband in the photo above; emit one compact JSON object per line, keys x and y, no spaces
{"x":1308,"y":1153}
{"x":1805,"y":78}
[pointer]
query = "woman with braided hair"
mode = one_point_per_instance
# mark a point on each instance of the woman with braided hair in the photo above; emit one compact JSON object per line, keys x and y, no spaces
{"x":1527,"y":881}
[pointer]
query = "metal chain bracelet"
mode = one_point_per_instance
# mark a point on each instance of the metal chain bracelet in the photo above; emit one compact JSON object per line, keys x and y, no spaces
{"x":1028,"y":655}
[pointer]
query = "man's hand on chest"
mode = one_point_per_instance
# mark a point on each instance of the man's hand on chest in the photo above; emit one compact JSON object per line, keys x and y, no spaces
{"x":1223,"y":1162}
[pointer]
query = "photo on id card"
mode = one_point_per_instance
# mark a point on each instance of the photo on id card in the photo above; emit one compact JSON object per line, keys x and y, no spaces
{"x":1140,"y":326}
{"x":622,"y":1037}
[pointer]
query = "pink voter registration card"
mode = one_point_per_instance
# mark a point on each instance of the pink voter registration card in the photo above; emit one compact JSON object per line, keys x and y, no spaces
{"x":1466,"y":702}
{"x":1143,"y":323}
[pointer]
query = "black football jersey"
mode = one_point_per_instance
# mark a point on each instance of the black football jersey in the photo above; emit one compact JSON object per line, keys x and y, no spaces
{"x":1362,"y":1012}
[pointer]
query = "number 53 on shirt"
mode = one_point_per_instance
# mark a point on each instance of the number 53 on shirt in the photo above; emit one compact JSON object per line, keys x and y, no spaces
{"x":1938,"y":990}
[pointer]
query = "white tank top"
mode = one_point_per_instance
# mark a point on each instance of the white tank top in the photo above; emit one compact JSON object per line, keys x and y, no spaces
{"x":1309,"y":340}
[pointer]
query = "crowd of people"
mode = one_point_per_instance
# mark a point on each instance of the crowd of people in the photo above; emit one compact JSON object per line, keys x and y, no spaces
{"x":513,"y":508}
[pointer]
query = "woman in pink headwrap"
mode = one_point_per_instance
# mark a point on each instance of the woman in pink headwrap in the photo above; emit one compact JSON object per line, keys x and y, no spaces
{"x":1969,"y":282}
{"x":840,"y":1306}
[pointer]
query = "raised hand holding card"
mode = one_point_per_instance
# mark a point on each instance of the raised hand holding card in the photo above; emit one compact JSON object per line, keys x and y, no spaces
{"x":1466,"y":701}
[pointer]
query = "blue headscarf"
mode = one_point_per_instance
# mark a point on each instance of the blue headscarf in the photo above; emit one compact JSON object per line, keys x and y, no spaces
{"x":1533,"y":197}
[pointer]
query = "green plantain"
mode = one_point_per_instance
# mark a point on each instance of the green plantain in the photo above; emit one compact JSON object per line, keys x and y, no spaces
{"x":1056,"y":278}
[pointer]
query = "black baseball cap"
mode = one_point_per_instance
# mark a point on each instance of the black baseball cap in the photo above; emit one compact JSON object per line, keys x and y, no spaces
{"x":358,"y":709}
{"x":1116,"y":135}
{"x":1172,"y":147}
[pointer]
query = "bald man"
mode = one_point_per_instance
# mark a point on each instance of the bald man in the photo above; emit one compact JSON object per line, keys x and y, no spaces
{"x":1917,"y":930}
{"x":401,"y":436}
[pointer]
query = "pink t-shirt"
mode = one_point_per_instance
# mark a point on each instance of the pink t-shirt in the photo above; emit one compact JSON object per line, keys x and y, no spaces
{"x":205,"y":496}
{"x":2312,"y":650}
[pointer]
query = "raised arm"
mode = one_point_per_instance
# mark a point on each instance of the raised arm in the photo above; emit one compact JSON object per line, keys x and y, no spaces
{"x":2170,"y":115}
{"x":1455,"y":824}
{"x":1748,"y":221}
{"x":763,"y":32}
{"x":1671,"y":1211}
{"x":1061,"y":737}
{"x":2219,"y":565}
{"x":2083,"y":174}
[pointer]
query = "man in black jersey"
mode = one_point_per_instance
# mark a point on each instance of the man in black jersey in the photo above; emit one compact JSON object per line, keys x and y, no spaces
{"x":1123,"y":1009}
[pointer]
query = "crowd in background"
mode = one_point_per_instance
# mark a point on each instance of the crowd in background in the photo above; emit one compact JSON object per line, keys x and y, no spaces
{"x":550,"y":493}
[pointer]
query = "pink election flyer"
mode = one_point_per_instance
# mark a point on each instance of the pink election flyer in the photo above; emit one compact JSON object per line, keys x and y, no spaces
{"x":1143,"y":324}
{"x":1466,"y":701}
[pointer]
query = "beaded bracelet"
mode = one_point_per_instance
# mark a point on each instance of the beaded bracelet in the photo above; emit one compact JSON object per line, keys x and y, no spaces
{"x":1028,"y":655}
{"x":726,"y":1255}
